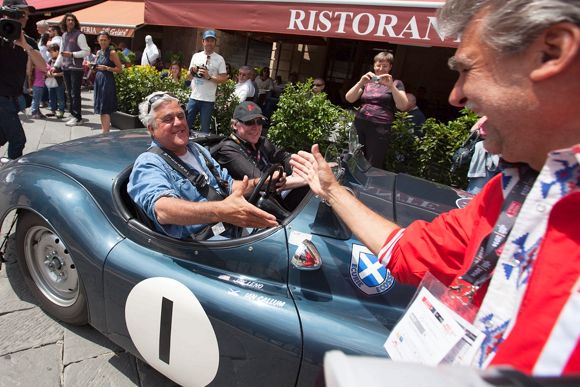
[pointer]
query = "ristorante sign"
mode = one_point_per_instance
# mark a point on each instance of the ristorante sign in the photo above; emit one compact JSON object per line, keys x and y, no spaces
{"x":419,"y":29}
{"x":403,"y":22}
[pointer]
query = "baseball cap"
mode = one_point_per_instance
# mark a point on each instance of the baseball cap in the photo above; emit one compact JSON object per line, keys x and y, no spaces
{"x":208,"y":34}
{"x":19,"y":4}
{"x":247,"y":111}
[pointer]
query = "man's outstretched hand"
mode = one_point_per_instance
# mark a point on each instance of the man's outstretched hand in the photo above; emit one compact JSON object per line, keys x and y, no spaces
{"x":236,"y":210}
{"x":315,"y":171}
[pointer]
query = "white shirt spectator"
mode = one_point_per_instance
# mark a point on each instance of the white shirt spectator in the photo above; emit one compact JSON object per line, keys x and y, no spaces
{"x":204,"y":89}
{"x":244,"y":90}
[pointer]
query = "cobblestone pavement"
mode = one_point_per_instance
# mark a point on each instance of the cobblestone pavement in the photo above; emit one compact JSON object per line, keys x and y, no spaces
{"x":36,"y":350}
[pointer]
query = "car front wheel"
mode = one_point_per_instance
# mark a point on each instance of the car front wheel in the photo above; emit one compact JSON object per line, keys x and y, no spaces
{"x":49,"y":270}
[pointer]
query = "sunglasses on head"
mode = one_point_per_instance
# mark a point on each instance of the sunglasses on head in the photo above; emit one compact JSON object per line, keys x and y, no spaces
{"x":255,"y":121}
{"x":154,"y":99}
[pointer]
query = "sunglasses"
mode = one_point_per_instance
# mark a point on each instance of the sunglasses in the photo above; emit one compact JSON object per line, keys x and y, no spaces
{"x":255,"y":121}
{"x":154,"y":99}
{"x":318,"y":84}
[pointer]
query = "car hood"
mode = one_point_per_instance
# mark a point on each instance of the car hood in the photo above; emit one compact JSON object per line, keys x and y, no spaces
{"x":94,"y":161}
{"x":399,"y":197}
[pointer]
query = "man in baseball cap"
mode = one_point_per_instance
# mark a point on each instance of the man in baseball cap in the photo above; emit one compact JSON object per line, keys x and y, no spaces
{"x":247,"y":111}
{"x":247,"y":152}
{"x":208,"y":70}
{"x":208,"y":34}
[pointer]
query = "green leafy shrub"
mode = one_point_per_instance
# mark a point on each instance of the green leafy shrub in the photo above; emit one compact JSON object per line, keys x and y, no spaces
{"x":429,"y":157}
{"x":225,"y":104}
{"x":128,"y":59}
{"x":402,"y":149}
{"x":303,"y":118}
{"x":137,"y":82}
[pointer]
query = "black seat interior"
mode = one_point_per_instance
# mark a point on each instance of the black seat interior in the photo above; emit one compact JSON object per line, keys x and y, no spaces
{"x":126,"y":206}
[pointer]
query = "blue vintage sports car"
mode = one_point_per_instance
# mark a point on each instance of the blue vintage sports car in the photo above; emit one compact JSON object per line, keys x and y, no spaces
{"x":261,"y":309}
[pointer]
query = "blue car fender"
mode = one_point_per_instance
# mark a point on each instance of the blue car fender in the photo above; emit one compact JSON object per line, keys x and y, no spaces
{"x":73,"y":214}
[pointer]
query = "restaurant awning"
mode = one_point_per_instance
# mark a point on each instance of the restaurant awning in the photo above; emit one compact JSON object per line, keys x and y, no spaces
{"x":41,"y":5}
{"x":398,"y":21}
{"x":118,"y":18}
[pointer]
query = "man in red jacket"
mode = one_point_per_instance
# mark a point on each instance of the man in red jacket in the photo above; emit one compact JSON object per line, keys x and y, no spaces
{"x":513,"y":254}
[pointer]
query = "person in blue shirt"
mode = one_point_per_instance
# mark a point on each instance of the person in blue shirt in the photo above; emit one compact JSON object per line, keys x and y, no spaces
{"x":175,"y":206}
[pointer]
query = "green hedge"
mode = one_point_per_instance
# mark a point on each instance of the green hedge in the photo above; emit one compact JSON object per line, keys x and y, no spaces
{"x":137,"y":82}
{"x":303,"y":118}
{"x":429,"y":157}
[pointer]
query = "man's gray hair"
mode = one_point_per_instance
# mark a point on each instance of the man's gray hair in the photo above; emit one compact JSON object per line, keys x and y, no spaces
{"x":146,"y":108}
{"x":42,"y":23}
{"x":509,"y":26}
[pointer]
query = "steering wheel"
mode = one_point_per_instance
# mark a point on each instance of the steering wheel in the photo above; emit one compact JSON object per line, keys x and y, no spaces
{"x":269,"y":181}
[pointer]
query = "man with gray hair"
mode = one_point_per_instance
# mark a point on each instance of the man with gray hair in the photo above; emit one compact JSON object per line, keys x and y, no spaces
{"x":42,"y":27}
{"x":509,"y":262}
{"x":180,"y":207}
{"x":244,"y":88}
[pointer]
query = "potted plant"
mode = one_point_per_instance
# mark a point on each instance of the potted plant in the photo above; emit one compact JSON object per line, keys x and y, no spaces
{"x":133,"y":85}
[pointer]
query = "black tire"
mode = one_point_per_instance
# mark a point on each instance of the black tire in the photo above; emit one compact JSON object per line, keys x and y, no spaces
{"x":49,"y":270}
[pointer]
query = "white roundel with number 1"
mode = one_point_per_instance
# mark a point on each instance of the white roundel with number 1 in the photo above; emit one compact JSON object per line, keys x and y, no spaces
{"x":172,"y":331}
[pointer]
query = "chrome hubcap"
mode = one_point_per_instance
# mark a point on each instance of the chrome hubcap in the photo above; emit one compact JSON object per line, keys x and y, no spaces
{"x":51,"y":266}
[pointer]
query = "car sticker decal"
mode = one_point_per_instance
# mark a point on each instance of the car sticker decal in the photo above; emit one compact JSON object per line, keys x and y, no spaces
{"x":263,"y":300}
{"x":297,"y":237}
{"x":241,"y":281}
{"x":172,"y":332}
{"x":367,"y":273}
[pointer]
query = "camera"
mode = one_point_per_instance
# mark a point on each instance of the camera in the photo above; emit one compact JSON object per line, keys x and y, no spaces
{"x":376,"y":79}
{"x":10,"y":27}
{"x":197,"y":74}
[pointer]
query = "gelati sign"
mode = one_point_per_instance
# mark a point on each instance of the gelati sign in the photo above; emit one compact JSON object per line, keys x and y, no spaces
{"x":123,"y":32}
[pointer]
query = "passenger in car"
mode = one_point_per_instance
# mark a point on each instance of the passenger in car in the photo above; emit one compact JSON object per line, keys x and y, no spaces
{"x":246,"y":152}
{"x":180,"y":187}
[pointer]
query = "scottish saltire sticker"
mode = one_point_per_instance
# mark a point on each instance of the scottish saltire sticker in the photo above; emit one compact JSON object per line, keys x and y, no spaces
{"x":367,"y":273}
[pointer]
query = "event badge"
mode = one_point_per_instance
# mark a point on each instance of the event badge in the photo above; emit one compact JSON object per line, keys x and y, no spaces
{"x":431,"y":333}
{"x":218,"y":228}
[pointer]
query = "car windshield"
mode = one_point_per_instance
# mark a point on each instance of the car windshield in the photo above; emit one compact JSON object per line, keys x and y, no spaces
{"x":352,"y":159}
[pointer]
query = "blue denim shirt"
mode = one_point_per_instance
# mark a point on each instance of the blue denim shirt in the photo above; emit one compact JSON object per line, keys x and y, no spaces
{"x":153,"y":178}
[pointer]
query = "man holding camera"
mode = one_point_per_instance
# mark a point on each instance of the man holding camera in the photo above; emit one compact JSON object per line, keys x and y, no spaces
{"x":15,"y":49}
{"x":208,"y":69}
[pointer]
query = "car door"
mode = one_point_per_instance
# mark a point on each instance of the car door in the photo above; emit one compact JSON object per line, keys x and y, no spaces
{"x":217,"y":313}
{"x":338,"y":308}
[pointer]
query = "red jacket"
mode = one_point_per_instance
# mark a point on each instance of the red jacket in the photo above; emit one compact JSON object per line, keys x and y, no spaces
{"x":547,"y":329}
